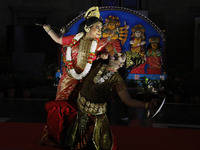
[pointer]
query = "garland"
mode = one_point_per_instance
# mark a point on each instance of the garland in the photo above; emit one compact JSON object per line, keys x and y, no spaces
{"x":90,"y":57}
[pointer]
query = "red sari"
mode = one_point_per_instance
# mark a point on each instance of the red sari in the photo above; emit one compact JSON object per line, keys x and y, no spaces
{"x":67,"y":84}
{"x":63,"y":108}
{"x":154,"y":61}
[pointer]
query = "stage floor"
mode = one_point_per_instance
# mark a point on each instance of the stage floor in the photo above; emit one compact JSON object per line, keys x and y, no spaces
{"x":177,"y":127}
{"x":26,"y":136}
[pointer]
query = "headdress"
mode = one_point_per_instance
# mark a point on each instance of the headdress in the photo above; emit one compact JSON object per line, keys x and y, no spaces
{"x":138,"y":27}
{"x":92,"y":12}
{"x":154,"y":40}
{"x":113,"y":19}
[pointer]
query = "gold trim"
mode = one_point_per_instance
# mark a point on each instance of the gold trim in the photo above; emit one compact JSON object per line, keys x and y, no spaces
{"x":91,"y":108}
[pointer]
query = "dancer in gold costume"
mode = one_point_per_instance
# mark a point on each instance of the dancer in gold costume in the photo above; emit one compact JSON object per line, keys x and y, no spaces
{"x":91,"y":129}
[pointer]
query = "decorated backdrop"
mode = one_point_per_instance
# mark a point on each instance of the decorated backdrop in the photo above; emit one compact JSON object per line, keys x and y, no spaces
{"x":135,"y":34}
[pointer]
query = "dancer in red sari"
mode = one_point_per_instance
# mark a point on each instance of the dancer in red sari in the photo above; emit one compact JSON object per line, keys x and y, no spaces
{"x":80,"y":51}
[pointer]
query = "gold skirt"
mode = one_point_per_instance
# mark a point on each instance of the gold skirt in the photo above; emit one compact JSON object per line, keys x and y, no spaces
{"x":90,"y":128}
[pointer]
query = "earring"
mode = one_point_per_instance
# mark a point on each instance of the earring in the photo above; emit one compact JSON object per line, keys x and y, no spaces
{"x":86,"y":28}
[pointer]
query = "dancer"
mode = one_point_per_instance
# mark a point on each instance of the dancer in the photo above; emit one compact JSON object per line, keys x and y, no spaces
{"x":91,"y":124}
{"x":79,"y":51}
{"x":90,"y":129}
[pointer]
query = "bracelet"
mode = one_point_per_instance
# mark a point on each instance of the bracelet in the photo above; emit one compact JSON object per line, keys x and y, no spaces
{"x":47,"y":29}
{"x":146,"y":105}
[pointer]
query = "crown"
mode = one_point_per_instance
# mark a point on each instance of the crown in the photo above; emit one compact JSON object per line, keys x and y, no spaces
{"x":113,"y":19}
{"x":154,"y":40}
{"x":92,"y":12}
{"x":138,"y":27}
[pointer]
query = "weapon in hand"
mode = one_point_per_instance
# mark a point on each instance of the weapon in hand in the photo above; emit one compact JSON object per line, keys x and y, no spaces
{"x":62,"y":30}
{"x":152,"y":113}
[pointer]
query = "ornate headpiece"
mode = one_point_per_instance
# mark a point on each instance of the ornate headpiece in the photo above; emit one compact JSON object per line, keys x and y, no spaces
{"x":138,"y":27}
{"x":154,"y":40}
{"x":113,"y":19}
{"x":92,"y":12}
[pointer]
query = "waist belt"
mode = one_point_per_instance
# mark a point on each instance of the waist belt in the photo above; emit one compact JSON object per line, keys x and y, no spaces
{"x":91,"y":108}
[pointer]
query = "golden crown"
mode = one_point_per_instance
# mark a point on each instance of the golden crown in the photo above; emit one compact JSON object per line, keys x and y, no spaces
{"x":92,"y":12}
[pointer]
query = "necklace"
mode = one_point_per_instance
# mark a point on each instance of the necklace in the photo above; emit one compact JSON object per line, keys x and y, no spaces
{"x":102,"y":75}
{"x":90,"y":57}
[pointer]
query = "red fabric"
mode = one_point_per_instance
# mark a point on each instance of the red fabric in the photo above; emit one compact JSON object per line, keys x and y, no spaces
{"x":115,"y":43}
{"x":153,"y":71}
{"x":101,"y":44}
{"x":114,"y":143}
{"x":59,"y":115}
{"x":139,"y":69}
{"x":67,"y":40}
{"x":154,"y":62}
{"x":67,"y":83}
{"x":154,"y":65}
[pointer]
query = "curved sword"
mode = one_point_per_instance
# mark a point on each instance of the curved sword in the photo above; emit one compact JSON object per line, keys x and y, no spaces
{"x":161,"y":105}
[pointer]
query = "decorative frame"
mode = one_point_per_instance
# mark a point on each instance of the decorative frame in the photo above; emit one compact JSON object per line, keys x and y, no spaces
{"x":132,"y":18}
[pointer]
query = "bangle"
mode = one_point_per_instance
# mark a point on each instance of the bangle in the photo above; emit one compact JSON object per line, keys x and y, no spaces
{"x":146,"y":105}
{"x":47,"y":29}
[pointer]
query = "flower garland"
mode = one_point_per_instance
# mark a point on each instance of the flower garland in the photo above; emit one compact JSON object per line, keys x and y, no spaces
{"x":90,"y":57}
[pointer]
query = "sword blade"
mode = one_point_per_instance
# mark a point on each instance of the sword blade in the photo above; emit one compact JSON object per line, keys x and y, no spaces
{"x":163,"y":101}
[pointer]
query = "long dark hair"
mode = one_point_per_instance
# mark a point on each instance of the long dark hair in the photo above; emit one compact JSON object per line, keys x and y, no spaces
{"x":89,"y":22}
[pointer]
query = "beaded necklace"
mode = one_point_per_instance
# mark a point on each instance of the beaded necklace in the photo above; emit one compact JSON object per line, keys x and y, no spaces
{"x":102,"y":75}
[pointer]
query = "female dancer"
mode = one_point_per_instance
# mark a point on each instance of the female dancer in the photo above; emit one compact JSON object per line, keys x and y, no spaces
{"x":80,"y":51}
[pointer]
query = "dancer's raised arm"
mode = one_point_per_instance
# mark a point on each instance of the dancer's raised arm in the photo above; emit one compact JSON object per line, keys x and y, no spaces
{"x":53,"y":34}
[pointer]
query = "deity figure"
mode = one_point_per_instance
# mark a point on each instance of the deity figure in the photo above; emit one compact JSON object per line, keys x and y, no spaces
{"x":154,"y":56}
{"x":117,"y":35}
{"x":136,"y":57}
{"x":138,"y":39}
